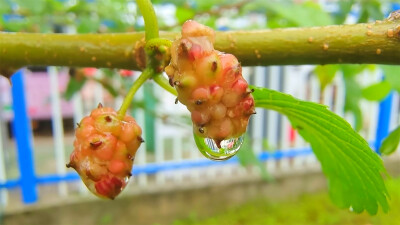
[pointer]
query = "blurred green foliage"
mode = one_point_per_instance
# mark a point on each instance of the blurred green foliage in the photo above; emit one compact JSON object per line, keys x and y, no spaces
{"x":325,"y":74}
{"x":122,"y":15}
{"x":93,"y":16}
{"x":86,"y":16}
{"x":247,"y":158}
{"x":391,"y":142}
{"x":74,"y":85}
{"x":98,"y":16}
{"x":308,"y":209}
{"x":392,"y":75}
{"x":377,"y":91}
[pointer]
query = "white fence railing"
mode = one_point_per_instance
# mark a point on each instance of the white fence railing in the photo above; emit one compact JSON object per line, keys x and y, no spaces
{"x":174,"y":144}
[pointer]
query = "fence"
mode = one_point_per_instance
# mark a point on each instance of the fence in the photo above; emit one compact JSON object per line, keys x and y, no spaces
{"x":175,"y":159}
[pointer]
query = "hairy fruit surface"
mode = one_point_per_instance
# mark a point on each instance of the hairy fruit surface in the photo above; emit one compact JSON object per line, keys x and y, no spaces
{"x":104,"y":150}
{"x":210,"y":84}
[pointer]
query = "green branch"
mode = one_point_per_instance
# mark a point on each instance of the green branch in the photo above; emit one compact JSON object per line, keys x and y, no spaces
{"x":360,"y":43}
{"x":151,"y":32}
{"x":146,"y":74}
{"x":160,"y":80}
{"x":150,"y":18}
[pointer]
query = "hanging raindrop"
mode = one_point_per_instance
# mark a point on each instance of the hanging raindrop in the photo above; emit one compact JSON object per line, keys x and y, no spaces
{"x":209,"y":148}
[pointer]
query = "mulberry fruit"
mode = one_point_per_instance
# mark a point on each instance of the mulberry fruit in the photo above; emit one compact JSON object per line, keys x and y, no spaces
{"x":104,"y":150}
{"x":210,"y":84}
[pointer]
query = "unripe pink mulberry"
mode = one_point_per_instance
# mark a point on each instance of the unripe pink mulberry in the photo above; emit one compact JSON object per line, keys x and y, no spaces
{"x":210,"y":84}
{"x":104,"y":149}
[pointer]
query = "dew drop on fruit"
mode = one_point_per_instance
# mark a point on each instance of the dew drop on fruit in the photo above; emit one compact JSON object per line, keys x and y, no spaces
{"x":209,"y":148}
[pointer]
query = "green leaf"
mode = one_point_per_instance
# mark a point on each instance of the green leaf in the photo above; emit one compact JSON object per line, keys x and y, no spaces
{"x":30,"y":7}
{"x":304,"y":15}
{"x":326,"y":74}
{"x":370,"y":9}
{"x":391,"y":142}
{"x":247,"y":157}
{"x":88,"y":25}
{"x":267,"y":146}
{"x":349,"y":70}
{"x":183,"y":14}
{"x":392,"y":75}
{"x":5,"y":8}
{"x":354,"y":91}
{"x":377,"y":92}
{"x":74,"y":85}
{"x":106,"y":85}
{"x":352,"y":168}
{"x":374,"y":9}
{"x":345,"y":8}
{"x":352,"y":100}
{"x":204,"y":5}
{"x":364,"y":15}
{"x":210,"y":21}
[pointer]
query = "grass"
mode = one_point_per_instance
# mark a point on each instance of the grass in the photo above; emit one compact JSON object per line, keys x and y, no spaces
{"x":307,"y":209}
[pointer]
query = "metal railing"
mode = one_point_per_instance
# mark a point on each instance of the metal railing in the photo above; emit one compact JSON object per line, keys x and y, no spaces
{"x":175,"y":158}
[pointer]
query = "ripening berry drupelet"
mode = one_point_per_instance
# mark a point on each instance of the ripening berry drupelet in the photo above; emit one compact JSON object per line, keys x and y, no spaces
{"x":210,"y":84}
{"x":104,"y":150}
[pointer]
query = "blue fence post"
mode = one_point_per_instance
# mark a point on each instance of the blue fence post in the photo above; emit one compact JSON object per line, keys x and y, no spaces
{"x":382,"y":130}
{"x":23,"y":134}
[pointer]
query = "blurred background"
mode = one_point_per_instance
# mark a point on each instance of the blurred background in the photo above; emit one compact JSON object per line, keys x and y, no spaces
{"x":275,"y":178}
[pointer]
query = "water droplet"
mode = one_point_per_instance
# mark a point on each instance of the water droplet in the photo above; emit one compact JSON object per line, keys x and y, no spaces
{"x":208,"y":147}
